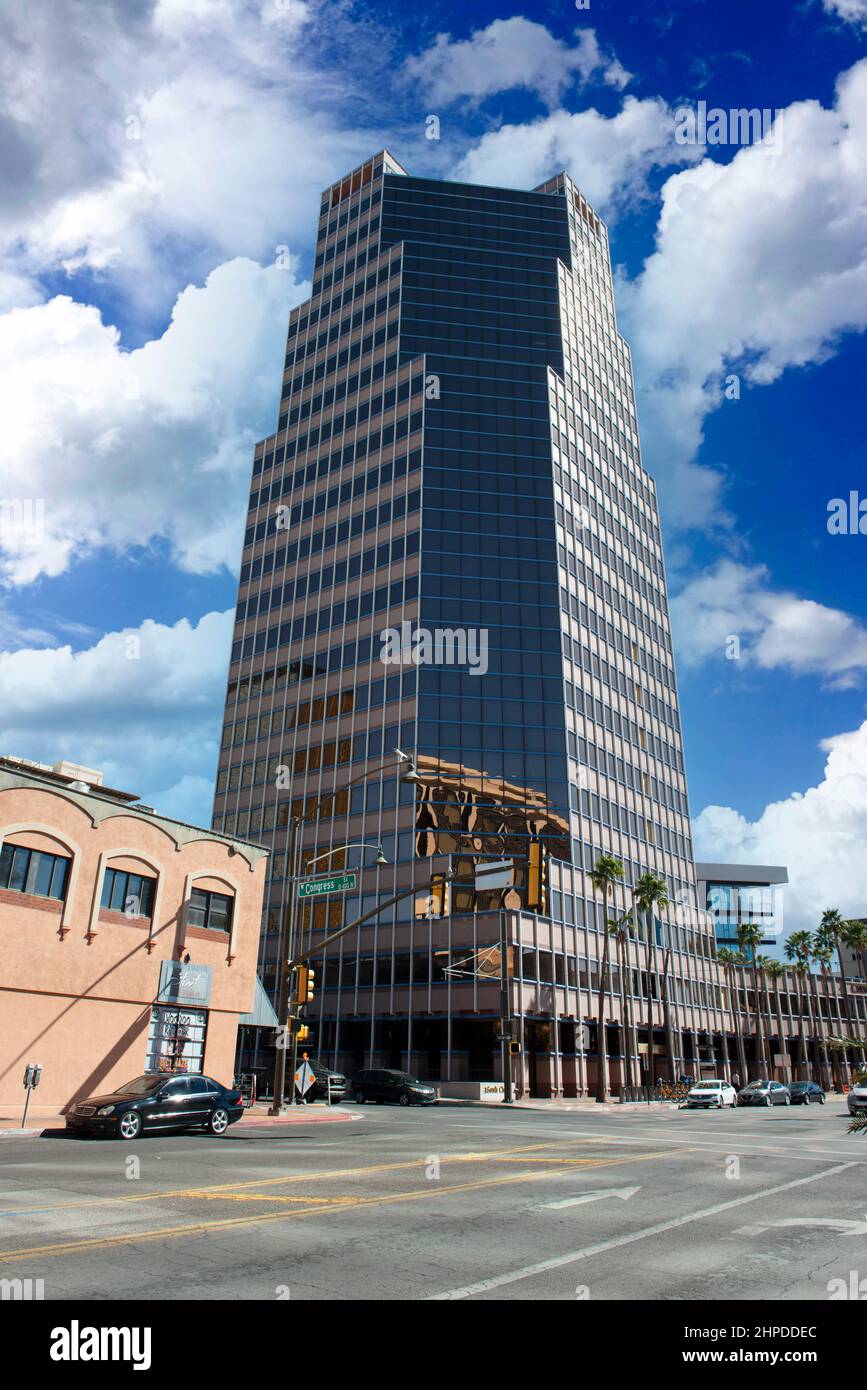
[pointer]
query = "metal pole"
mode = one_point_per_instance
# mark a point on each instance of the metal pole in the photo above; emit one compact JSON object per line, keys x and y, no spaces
{"x":286,"y":949}
{"x":27,"y":1093}
{"x":296,"y":879}
{"x":505,"y":1013}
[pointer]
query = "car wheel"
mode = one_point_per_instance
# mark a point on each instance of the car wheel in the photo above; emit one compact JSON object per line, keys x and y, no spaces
{"x":404,"y":1098}
{"x":219,"y":1121}
{"x":360,"y":1097}
{"x":768,"y":1100}
{"x":130,"y":1125}
{"x":719,"y":1104}
{"x":787,"y":1100}
{"x":821,"y":1100}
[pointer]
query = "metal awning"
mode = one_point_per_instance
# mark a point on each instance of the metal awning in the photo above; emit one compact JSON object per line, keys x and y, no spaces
{"x":262,"y":1014}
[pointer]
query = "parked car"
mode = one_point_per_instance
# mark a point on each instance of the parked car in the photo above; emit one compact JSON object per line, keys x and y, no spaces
{"x":382,"y":1085}
{"x":157,"y":1102}
{"x":765,"y":1093}
{"x":857,"y":1098}
{"x":806,"y":1093}
{"x":325,"y":1079}
{"x":712,"y":1093}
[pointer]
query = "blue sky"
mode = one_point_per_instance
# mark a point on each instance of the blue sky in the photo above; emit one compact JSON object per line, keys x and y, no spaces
{"x":155,"y":159}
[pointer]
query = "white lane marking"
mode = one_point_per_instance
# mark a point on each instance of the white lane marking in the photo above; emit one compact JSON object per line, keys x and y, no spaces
{"x":830,"y":1223}
{"x":703,"y":1141}
{"x":497,"y":1281}
{"x":624,"y":1193}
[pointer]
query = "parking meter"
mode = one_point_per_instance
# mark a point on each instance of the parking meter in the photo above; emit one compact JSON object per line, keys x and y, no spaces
{"x":32,"y":1078}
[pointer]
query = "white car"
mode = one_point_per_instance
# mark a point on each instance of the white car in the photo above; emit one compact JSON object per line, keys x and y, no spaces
{"x":857,"y":1098}
{"x":716,"y":1093}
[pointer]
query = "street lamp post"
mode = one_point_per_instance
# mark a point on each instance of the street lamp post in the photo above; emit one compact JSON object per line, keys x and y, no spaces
{"x":287,"y":943}
{"x":293,"y":888}
{"x":287,"y":977}
{"x":505,"y":1012}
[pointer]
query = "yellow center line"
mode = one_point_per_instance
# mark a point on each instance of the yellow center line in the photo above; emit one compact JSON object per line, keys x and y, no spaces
{"x":350,"y":1204}
{"x":403,"y":1165}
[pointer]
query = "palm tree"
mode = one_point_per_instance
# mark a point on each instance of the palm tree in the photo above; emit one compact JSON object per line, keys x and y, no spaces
{"x":821,"y":953}
{"x":731,"y":960}
{"x":853,"y":935}
{"x":831,"y":935}
{"x":775,"y":972}
{"x":750,"y":936}
{"x":797,"y":950}
{"x":666,"y":1007}
{"x":651,"y":894}
{"x":621,"y":929}
{"x":606,"y":873}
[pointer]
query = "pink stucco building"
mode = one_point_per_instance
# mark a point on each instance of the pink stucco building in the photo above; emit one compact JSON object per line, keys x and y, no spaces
{"x":128,"y":940}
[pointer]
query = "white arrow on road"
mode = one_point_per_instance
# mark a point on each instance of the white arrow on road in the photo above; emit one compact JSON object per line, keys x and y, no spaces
{"x":828,"y":1223}
{"x":624,"y":1193}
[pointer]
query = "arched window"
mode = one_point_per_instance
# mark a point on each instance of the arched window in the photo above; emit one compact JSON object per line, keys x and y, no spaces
{"x":210,"y":909}
{"x":126,"y":891}
{"x":37,"y":872}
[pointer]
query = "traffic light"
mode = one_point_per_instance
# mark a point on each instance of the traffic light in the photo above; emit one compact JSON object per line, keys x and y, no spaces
{"x":303,"y":1033}
{"x":440,"y":905}
{"x":306,"y":984}
{"x":534,"y":878}
{"x":515,"y":1049}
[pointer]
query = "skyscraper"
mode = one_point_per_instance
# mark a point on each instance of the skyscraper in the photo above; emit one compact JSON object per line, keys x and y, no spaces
{"x":453,"y":550}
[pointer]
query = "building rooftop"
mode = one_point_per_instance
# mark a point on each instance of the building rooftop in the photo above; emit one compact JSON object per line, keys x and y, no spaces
{"x":742,"y":873}
{"x":87,"y":781}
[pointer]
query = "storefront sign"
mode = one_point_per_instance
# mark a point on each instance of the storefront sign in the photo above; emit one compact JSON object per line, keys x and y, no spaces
{"x":184,"y":984}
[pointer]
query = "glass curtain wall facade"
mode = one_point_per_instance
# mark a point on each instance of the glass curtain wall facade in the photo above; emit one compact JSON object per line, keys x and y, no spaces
{"x":456,"y":471}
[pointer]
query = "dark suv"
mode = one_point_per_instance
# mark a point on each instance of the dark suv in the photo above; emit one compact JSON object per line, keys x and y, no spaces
{"x":326,"y":1079}
{"x":382,"y":1084}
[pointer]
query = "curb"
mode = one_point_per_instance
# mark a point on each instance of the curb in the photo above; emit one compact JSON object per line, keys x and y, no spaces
{"x":305,"y":1116}
{"x":301,"y":1115}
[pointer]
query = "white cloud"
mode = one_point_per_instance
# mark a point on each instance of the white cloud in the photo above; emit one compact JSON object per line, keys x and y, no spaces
{"x":142,"y":705}
{"x":122,"y":448}
{"x":609,"y":157}
{"x":775,"y":628}
{"x":511,"y":53}
{"x":852,"y":11}
{"x":819,"y":835}
{"x":760,"y":266}
{"x":152,"y":142}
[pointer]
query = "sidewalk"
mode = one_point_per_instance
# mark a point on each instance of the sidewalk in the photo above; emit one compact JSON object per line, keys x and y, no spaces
{"x":584,"y":1105}
{"x":315,"y":1114}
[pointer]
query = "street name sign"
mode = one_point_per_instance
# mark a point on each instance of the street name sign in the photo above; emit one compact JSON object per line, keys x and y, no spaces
{"x":313,"y":887}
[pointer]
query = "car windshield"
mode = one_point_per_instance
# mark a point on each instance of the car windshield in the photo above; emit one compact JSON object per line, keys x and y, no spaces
{"x":707,"y":1086}
{"x":140,"y":1086}
{"x":800,"y":1086}
{"x":756,"y":1086}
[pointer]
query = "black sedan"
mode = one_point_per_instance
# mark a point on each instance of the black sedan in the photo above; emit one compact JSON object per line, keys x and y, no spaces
{"x":806,"y":1093}
{"x":382,"y":1085}
{"x":157,"y":1103}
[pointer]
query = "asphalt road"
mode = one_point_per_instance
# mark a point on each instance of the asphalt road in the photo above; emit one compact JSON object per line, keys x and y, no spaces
{"x":448,"y":1203}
